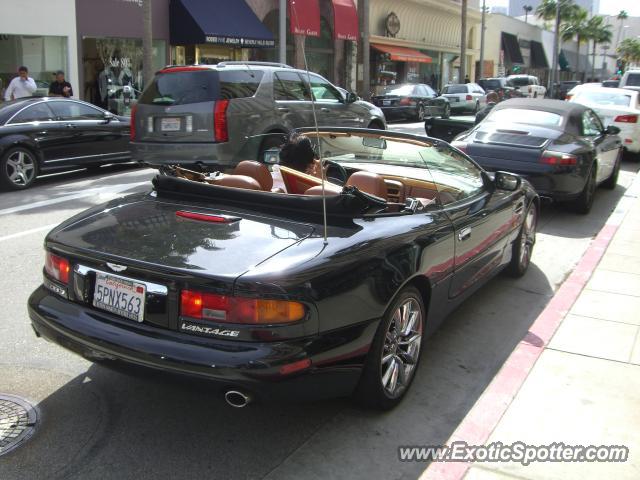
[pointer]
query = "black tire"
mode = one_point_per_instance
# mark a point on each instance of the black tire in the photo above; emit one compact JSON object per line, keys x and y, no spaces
{"x":611,"y":182}
{"x":370,"y":391}
{"x":376,"y":126}
{"x":535,"y":94}
{"x":584,"y":202}
{"x":18,"y":168}
{"x":522,"y":248}
{"x":476,"y":108}
{"x":447,"y":111}
{"x":631,"y":156}
{"x":420,"y":116}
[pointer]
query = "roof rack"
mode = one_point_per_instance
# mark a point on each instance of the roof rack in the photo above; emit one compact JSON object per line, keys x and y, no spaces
{"x":250,"y":63}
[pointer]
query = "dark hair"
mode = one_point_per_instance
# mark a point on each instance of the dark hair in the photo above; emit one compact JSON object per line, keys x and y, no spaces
{"x":59,"y":72}
{"x":23,"y":69}
{"x":297,"y":153}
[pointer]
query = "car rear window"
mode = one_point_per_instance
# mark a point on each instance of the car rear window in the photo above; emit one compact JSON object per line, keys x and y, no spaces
{"x":182,"y":88}
{"x":526,"y":117}
{"x":633,"y":80}
{"x":490,"y":84}
{"x":402,"y":90}
{"x":454,"y":89}
{"x":518,"y":82}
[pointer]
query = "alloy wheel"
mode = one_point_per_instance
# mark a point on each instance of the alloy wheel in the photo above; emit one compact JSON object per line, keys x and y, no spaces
{"x":421,"y":113}
{"x":20,"y":168}
{"x":401,"y":348}
{"x":528,"y":237}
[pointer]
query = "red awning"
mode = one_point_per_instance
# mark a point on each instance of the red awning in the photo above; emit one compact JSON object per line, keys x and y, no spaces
{"x":402,"y":54}
{"x":345,"y":20}
{"x":304,"y":16}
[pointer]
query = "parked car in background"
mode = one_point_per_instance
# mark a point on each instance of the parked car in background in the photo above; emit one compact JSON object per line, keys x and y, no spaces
{"x":201,"y":115}
{"x":564,"y":87}
{"x":239,"y":285}
{"x":374,"y":109}
{"x":580,"y":88}
{"x":500,"y":86}
{"x":467,"y":97}
{"x":562,"y":148}
{"x":528,"y":85}
{"x":630,"y":79}
{"x":616,"y":106}
{"x":611,"y":83}
{"x":414,"y":101}
{"x":41,"y":135}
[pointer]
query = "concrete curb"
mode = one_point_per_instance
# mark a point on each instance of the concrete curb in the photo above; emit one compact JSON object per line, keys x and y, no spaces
{"x":484,"y":416}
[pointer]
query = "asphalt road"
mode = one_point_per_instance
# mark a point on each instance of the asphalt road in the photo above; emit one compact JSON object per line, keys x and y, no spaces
{"x":98,"y":423}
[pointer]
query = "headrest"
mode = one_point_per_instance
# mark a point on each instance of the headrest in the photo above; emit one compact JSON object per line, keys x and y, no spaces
{"x":237,"y":181}
{"x":328,"y":190}
{"x":370,"y":183}
{"x":259,"y":172}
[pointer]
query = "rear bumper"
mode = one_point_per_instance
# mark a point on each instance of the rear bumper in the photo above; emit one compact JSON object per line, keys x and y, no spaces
{"x":399,"y":112}
{"x":223,"y":155}
{"x":336,"y":357}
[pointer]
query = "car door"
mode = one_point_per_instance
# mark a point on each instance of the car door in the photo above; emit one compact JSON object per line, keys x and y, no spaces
{"x":482,"y":217}
{"x":331,"y":108}
{"x":435,"y":104}
{"x":293,"y":99}
{"x":605,"y":146}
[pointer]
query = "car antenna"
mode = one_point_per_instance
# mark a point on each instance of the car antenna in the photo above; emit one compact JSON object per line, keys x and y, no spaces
{"x":315,"y":123}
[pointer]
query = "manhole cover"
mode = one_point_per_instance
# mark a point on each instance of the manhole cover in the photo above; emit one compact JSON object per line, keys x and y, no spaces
{"x":17,"y":422}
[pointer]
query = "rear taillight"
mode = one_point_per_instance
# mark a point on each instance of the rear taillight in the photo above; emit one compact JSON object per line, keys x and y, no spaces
{"x":626,"y":119}
{"x":132,"y":129}
{"x":568,"y":97}
{"x":406,"y":101}
{"x":220,"y":129}
{"x":462,"y":146}
{"x":469,"y":98}
{"x":228,"y":309}
{"x":558,"y":158}
{"x":57,"y":267}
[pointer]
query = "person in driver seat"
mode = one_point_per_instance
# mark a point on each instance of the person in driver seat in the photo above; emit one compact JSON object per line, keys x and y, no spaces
{"x":298,"y":154}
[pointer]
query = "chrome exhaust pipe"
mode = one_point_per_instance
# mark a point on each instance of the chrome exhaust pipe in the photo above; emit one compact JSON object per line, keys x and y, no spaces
{"x":237,"y":399}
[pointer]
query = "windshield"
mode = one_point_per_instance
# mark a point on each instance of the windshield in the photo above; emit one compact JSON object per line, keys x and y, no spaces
{"x":490,"y":84}
{"x":454,"y":89}
{"x":603,"y":98}
{"x":525,"y":117}
{"x":633,"y":80}
{"x":401,"y":90}
{"x":518,"y":82}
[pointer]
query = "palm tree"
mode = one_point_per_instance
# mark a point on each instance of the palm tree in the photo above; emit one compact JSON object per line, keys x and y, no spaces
{"x":629,"y":51}
{"x":622,"y":16}
{"x":599,"y":32}
{"x":576,"y":27}
{"x":547,"y":10}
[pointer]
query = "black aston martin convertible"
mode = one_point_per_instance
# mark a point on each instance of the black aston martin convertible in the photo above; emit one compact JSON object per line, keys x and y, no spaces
{"x":313,"y":292}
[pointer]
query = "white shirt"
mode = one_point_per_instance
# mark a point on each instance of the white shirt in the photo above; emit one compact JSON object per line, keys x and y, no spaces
{"x":19,"y":88}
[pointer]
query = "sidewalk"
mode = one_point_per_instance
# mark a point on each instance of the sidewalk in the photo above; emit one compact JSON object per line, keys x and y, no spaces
{"x":575,"y":377}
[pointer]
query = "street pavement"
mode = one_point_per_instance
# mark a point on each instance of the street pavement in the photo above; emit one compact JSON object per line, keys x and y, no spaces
{"x":98,"y":423}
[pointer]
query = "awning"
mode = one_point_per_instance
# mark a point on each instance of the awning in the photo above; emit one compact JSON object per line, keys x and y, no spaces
{"x":563,"y":62}
{"x":217,"y":22}
{"x":538,"y":57}
{"x":304,"y":16}
{"x":402,"y":54}
{"x":345,"y":20}
{"x":511,"y":48}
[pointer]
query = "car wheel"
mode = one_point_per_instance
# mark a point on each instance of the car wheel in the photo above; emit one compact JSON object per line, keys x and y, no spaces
{"x":393,"y":358}
{"x":611,"y":182}
{"x":376,"y":126}
{"x":535,"y":94}
{"x":447,"y":111}
{"x":583,"y":203}
{"x":19,"y":169}
{"x":421,"y":113}
{"x":476,"y":108}
{"x":523,"y":244}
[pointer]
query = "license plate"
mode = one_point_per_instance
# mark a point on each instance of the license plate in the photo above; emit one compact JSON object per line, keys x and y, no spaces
{"x":456,"y":99}
{"x":386,"y":103}
{"x":170,"y":124}
{"x":120,"y":296}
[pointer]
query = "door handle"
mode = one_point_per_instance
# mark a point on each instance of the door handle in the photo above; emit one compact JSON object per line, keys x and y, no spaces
{"x":464,"y":234}
{"x":283,"y":109}
{"x":71,"y":125}
{"x":325,"y":109}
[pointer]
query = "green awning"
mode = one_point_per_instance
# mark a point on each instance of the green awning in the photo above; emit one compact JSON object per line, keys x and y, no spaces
{"x":563,"y":62}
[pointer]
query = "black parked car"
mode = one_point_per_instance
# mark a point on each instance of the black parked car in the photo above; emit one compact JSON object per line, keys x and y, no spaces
{"x":240,"y":286}
{"x":564,"y":87}
{"x":39,"y":135}
{"x":562,"y":148}
{"x":500,"y":86}
{"x":411,"y":101}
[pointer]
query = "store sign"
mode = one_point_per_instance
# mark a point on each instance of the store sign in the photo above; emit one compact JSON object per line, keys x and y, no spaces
{"x":239,"y":42}
{"x":137,"y":2}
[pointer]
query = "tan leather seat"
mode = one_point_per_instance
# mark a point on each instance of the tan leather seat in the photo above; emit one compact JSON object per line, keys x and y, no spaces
{"x":259,"y":172}
{"x":237,"y":181}
{"x":370,"y":183}
{"x":328,"y":190}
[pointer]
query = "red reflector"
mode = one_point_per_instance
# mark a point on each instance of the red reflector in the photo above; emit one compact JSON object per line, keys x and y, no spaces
{"x":57,"y":267}
{"x":626,"y":119}
{"x":206,"y":217}
{"x":220,"y":130}
{"x":295,"y":367}
{"x":406,"y":101}
{"x":557,"y":158}
{"x":132,"y":128}
{"x":628,"y":140}
{"x":469,"y":97}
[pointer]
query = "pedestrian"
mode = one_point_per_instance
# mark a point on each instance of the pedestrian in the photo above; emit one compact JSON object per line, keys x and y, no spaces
{"x":21,"y":86}
{"x":60,"y":87}
{"x":466,"y":79}
{"x":492,"y":100}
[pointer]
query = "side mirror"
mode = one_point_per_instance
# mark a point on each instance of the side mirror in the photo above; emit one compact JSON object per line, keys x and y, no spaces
{"x":507,"y":181}
{"x":612,"y":130}
{"x":351,"y":97}
{"x":108,"y":116}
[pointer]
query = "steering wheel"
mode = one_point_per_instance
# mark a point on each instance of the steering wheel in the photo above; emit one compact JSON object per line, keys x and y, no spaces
{"x":336,"y":173}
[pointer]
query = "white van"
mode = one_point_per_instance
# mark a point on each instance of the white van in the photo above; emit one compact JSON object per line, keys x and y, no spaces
{"x":630,"y":80}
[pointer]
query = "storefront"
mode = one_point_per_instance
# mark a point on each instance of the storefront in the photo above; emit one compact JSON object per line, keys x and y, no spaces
{"x":41,"y":36}
{"x":426,"y":39}
{"x":110,"y":45}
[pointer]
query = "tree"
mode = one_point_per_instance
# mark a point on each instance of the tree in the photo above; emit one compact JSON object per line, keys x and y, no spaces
{"x":576,"y":26}
{"x":598,"y":32}
{"x":622,"y":16}
{"x":629,"y":51}
{"x":547,"y":10}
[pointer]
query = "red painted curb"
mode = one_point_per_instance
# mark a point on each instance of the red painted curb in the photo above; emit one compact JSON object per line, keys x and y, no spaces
{"x":484,"y":416}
